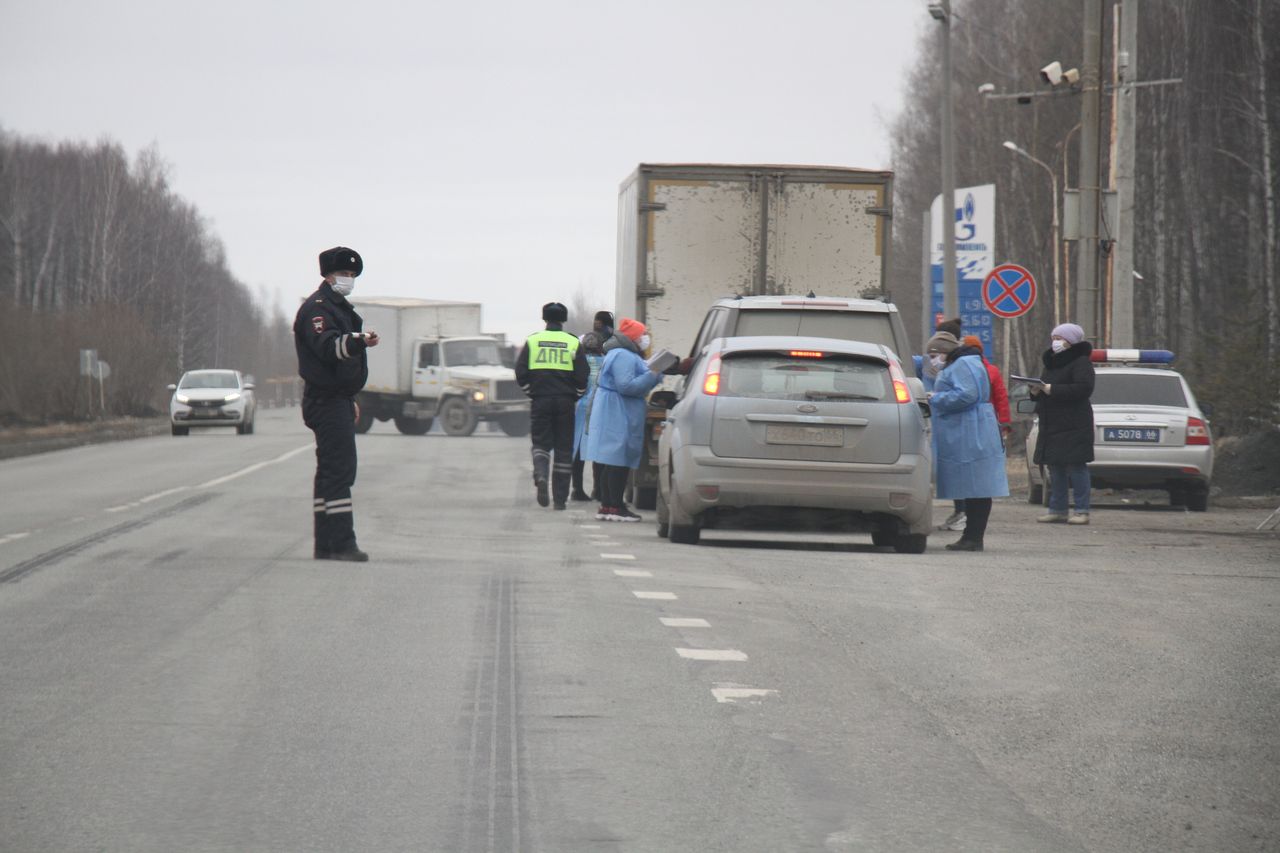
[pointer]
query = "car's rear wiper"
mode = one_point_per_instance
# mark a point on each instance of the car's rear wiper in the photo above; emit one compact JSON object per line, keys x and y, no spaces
{"x":836,"y":395}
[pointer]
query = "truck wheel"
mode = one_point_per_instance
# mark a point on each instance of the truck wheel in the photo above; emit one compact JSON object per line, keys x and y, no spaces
{"x":457,"y":418}
{"x":515,"y":425}
{"x":646,"y":497}
{"x":413,"y":426}
{"x":366,"y":418}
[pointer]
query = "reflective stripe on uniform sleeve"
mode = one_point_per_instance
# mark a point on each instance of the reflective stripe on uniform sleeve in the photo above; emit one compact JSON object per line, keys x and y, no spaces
{"x":340,"y":347}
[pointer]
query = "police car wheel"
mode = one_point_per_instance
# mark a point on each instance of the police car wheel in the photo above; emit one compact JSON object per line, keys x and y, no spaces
{"x":1198,"y":501}
{"x":177,"y":430}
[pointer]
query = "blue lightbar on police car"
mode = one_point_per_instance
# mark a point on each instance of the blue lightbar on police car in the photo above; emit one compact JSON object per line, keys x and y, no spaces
{"x":1133,"y":356}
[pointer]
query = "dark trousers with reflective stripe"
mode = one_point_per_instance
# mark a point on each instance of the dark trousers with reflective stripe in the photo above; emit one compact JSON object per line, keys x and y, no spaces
{"x":332,"y":419}
{"x":552,"y":429}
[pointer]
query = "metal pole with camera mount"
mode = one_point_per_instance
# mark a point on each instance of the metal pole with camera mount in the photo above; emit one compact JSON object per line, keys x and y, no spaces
{"x":941,"y":12}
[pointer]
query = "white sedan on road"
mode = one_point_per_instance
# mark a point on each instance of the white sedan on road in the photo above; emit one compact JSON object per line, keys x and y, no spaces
{"x":212,"y":398}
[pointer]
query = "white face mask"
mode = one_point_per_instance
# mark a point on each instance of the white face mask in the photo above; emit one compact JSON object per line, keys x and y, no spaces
{"x":643,"y":343}
{"x":938,"y":361}
{"x":343,"y":284}
{"x":1059,"y":346}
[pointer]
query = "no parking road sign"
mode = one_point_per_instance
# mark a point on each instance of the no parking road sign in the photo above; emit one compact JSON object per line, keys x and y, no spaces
{"x":1009,"y":291}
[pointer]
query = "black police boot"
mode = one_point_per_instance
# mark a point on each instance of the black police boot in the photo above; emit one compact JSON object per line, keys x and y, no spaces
{"x":349,"y":555}
{"x":544,"y":494}
{"x":965,"y":545}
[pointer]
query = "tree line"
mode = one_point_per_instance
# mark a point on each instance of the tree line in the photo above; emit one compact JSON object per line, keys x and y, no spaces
{"x":1207,"y":177}
{"x":98,"y":252}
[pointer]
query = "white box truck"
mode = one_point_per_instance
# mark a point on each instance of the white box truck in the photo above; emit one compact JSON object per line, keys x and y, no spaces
{"x":690,"y":234}
{"x":433,"y":362}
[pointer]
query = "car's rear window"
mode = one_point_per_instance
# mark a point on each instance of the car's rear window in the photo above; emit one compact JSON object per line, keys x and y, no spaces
{"x":1118,"y":389}
{"x":780,"y":376}
{"x":212,"y":379}
{"x":874,"y":328}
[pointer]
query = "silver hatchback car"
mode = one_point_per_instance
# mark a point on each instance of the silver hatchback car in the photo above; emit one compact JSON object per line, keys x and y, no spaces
{"x":796,"y":432}
{"x":1149,"y":432}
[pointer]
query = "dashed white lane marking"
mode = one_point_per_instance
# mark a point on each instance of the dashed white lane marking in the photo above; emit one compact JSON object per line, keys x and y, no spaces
{"x":655,"y":596}
{"x":589,"y":526}
{"x":617,"y":556}
{"x":712,"y":654}
{"x":122,"y":507}
{"x":732,"y":693}
{"x":12,"y":536}
{"x":632,"y":573}
{"x":255,"y":467}
{"x":683,"y":622}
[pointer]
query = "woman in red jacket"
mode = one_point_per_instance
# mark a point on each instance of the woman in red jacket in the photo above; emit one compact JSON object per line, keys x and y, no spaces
{"x":999,"y":394}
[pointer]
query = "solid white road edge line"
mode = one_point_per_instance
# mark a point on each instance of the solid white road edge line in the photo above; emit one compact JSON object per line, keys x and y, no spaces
{"x":655,"y":596}
{"x":683,"y":622}
{"x":255,"y":467}
{"x":712,"y":654}
{"x":158,"y":495}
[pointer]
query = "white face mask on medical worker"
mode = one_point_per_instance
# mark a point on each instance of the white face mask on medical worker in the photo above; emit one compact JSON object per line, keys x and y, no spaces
{"x":642,"y":343}
{"x":343,"y":284}
{"x":938,"y":361}
{"x":1059,"y":345}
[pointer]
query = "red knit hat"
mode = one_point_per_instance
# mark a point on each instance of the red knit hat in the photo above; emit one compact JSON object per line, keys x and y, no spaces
{"x":631,"y":328}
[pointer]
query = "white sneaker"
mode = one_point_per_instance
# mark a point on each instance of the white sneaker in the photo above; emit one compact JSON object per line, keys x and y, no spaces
{"x":1078,"y":518}
{"x":955,"y":521}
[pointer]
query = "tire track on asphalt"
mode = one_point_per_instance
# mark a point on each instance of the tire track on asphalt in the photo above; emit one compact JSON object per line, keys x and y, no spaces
{"x":16,"y":573}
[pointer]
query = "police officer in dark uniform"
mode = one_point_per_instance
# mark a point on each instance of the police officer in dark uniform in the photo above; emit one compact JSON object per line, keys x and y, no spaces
{"x":328,"y":335}
{"x":552,"y":370}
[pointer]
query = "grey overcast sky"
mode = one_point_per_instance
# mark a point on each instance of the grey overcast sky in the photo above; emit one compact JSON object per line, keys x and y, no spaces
{"x":466,"y":150}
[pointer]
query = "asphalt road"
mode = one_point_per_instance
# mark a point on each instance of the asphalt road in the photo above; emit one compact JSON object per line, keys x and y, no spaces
{"x":176,"y":673}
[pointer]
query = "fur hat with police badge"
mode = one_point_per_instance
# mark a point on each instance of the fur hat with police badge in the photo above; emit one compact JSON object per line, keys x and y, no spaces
{"x":554,"y":312}
{"x":340,"y":258}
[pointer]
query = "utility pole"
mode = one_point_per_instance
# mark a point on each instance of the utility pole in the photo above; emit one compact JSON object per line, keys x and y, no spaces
{"x":1121,"y":324}
{"x":1090,"y":184}
{"x":941,"y":11}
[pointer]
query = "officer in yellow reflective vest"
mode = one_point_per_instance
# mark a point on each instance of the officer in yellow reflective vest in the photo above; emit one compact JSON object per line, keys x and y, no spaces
{"x":552,"y":371}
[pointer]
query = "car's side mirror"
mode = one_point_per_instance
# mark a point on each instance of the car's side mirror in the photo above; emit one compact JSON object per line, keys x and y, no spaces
{"x":172,"y":387}
{"x":662,"y":399}
{"x":1026,"y":407}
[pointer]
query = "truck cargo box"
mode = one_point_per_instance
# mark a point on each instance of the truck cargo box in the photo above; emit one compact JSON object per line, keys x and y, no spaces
{"x":689,"y":234}
{"x":399,"y":322}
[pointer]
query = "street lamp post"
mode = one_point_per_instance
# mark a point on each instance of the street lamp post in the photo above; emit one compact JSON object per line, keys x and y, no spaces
{"x":1053,"y":182}
{"x":941,"y":12}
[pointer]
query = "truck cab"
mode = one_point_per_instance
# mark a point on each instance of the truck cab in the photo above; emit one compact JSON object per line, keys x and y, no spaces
{"x":463,"y":381}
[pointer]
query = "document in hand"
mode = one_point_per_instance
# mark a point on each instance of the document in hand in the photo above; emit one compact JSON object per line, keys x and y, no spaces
{"x":661,"y":360}
{"x":1030,"y":380}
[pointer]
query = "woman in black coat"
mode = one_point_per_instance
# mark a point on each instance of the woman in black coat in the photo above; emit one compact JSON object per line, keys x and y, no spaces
{"x":1065,"y":441}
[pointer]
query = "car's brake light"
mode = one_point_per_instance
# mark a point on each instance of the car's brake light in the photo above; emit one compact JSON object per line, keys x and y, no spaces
{"x":800,"y":353}
{"x":711,"y":385}
{"x":901,"y":392}
{"x":1197,"y":431}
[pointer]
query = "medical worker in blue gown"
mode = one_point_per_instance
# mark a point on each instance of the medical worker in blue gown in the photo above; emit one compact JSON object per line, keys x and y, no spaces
{"x":968,"y":454}
{"x":615,"y":430}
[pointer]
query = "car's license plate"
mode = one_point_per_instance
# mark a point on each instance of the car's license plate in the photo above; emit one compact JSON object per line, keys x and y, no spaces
{"x":1151,"y":436}
{"x":207,"y":413}
{"x":818,"y":436}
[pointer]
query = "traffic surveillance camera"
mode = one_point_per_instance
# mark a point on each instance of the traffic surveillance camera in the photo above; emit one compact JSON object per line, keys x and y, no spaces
{"x":1071,"y":76}
{"x":986,"y":88}
{"x":1052,"y":73}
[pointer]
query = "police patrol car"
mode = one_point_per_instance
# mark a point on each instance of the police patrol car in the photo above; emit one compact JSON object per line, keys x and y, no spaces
{"x":1149,"y":432}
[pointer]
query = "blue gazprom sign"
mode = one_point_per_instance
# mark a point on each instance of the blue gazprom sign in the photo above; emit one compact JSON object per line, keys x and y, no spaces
{"x":974,"y":211}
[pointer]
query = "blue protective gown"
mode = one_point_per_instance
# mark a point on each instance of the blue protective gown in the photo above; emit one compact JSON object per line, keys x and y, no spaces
{"x":968,"y":455}
{"x":583,"y":411}
{"x":615,"y":434}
